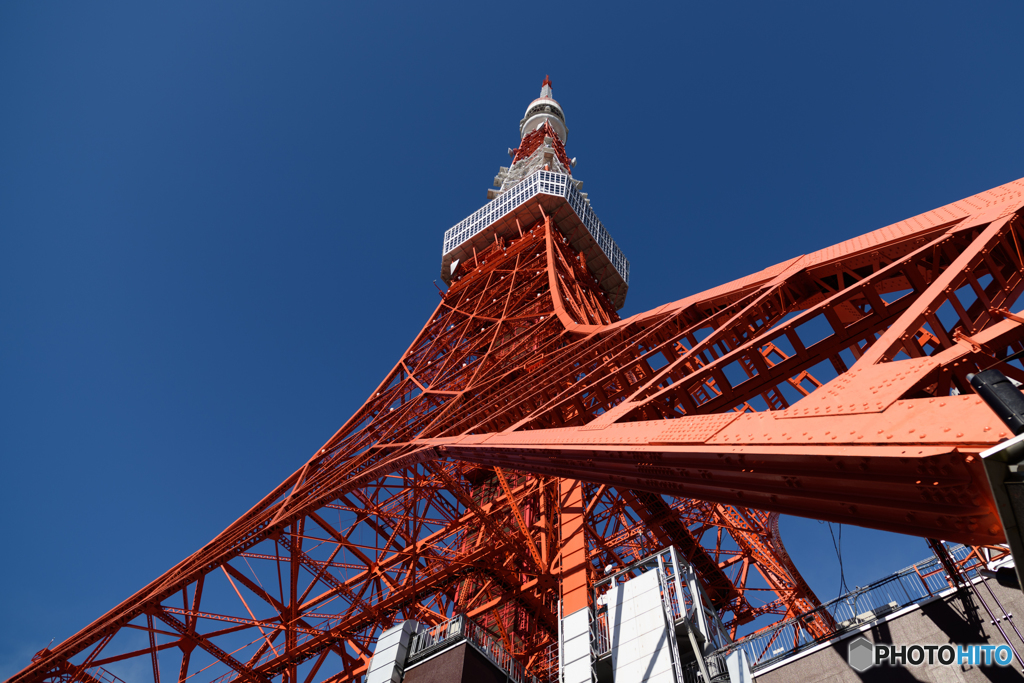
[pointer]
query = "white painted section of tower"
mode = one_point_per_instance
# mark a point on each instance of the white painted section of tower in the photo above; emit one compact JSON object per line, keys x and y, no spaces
{"x":544,"y":108}
{"x":574,"y":650}
{"x":641,"y":640}
{"x":389,"y":657}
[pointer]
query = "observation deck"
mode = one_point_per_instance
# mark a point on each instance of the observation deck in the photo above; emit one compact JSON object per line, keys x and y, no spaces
{"x":572,"y":214}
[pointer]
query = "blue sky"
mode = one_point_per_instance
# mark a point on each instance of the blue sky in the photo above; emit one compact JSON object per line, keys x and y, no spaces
{"x":219,"y":222}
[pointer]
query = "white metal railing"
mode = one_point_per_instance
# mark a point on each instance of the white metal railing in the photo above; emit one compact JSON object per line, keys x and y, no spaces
{"x":435,"y":637}
{"x":669,"y":588}
{"x":718,"y":670}
{"x":461,"y":628}
{"x":539,"y":182}
{"x":918,"y":582}
{"x":909,"y":586}
{"x":598,"y":231}
{"x":682,"y":594}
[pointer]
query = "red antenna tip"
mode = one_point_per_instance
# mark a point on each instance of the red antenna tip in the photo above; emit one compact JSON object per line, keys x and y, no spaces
{"x":547,"y":81}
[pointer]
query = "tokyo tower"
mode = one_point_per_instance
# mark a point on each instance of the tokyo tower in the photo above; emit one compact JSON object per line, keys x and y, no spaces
{"x":530,"y":441}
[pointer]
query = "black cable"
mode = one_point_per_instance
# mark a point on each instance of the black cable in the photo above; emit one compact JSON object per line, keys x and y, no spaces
{"x":1012,"y":356}
{"x":843,"y":588}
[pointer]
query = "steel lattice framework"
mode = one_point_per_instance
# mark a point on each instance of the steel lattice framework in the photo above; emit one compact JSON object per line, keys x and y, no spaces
{"x":529,"y":437}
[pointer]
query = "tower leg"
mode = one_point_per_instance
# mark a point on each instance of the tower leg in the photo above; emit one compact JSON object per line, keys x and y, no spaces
{"x":574,"y":645}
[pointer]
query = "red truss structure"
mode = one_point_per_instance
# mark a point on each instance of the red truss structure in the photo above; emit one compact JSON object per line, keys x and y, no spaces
{"x":535,"y":139}
{"x":529,"y":437}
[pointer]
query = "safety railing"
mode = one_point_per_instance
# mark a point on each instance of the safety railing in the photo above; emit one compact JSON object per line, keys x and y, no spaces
{"x":717,"y":670}
{"x":549,"y":667}
{"x":909,"y":586}
{"x":434,"y":639}
{"x":437,"y":637}
{"x":684,"y":599}
{"x":670,"y":603}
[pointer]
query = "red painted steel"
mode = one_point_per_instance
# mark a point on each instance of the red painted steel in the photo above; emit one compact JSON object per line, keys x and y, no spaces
{"x":534,"y":139}
{"x":528,"y":437}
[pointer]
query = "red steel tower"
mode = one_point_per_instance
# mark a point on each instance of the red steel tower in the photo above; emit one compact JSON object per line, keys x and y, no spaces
{"x":529,"y":437}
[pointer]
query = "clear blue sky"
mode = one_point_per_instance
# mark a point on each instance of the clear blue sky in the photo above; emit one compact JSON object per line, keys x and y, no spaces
{"x":219,"y":222}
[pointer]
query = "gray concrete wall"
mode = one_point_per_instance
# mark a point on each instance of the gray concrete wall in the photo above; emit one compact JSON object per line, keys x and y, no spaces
{"x":939,"y":622}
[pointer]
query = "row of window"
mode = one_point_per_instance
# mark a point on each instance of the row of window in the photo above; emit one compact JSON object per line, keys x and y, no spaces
{"x":540,"y":182}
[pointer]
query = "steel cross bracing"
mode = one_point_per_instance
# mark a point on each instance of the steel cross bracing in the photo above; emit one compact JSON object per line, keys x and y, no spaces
{"x":831,"y":386}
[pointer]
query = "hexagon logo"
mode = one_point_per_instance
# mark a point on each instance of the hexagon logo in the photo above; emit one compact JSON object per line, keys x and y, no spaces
{"x":861,"y":654}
